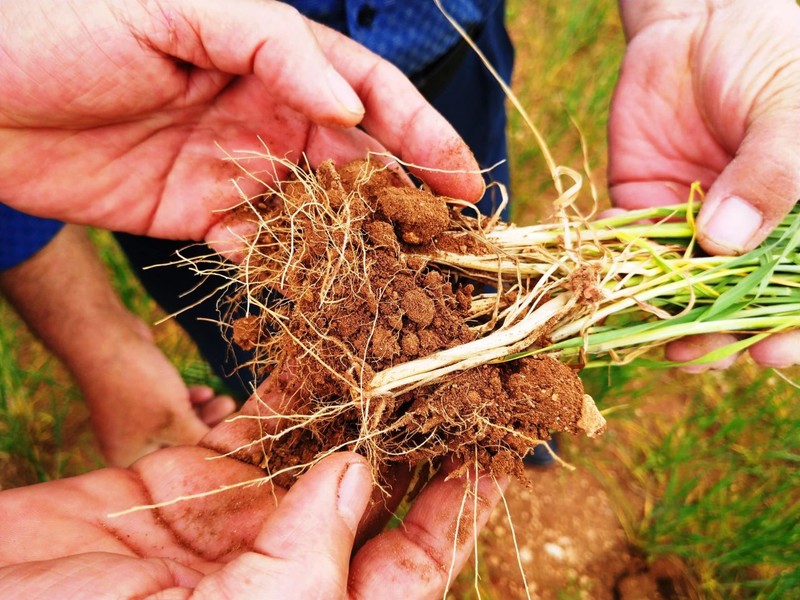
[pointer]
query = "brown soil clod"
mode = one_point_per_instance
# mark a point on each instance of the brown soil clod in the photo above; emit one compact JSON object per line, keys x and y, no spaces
{"x":418,"y":215}
{"x":349,"y":248}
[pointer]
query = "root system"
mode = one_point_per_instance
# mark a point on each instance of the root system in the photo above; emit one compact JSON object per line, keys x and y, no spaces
{"x":349,"y":251}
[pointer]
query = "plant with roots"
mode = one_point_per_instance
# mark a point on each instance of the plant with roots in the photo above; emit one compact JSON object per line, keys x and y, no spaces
{"x":368,"y":271}
{"x":412,"y":335}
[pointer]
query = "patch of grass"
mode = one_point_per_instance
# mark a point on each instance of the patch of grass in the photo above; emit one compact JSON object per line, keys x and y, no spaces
{"x":566,"y":68}
{"x":705,"y":469}
{"x":728,"y":482}
{"x":35,"y":402}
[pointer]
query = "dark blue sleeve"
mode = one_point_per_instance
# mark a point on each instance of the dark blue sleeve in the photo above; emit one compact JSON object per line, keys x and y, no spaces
{"x":22,"y":236}
{"x":408,"y":33}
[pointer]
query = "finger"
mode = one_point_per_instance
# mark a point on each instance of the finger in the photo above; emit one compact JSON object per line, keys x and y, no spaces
{"x":340,"y":145}
{"x":400,"y":118}
{"x":216,"y":410}
{"x":211,"y":409}
{"x":270,"y":40}
{"x":646,"y":194}
{"x":186,"y":429}
{"x":231,"y":237}
{"x":419,"y":558}
{"x":303,"y":549}
{"x":609,"y":212}
{"x":780,"y":350}
{"x":693,"y":347}
{"x":757,"y":189}
{"x":200,"y":394}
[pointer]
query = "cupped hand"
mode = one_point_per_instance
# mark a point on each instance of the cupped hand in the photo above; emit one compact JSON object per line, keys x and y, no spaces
{"x":251,"y":541}
{"x":709,"y":92}
{"x":117,"y":114}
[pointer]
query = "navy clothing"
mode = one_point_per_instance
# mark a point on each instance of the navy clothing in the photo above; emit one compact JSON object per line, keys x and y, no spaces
{"x":469,"y":98}
{"x":22,"y":236}
{"x":409,"y":34}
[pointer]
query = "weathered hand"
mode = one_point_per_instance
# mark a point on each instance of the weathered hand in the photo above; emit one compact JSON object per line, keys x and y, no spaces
{"x":116,"y":114}
{"x":247,"y":542}
{"x":709,"y":92}
{"x":137,"y":400}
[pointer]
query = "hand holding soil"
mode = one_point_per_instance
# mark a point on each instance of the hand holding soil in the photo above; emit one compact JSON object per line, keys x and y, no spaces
{"x":363,"y":310}
{"x":241,"y":543}
{"x":146,"y":139}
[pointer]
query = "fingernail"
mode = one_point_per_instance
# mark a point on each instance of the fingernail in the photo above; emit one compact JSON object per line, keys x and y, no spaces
{"x":355,"y":488}
{"x":733,"y":223}
{"x":343,"y":92}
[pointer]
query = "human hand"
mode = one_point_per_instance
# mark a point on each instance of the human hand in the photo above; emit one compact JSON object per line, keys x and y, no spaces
{"x":250,"y":541}
{"x":111,"y":112}
{"x":137,"y":400}
{"x":708,"y":92}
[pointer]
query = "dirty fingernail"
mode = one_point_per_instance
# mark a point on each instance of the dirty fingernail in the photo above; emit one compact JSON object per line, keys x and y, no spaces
{"x":343,"y":92}
{"x":355,"y":488}
{"x":733,"y":223}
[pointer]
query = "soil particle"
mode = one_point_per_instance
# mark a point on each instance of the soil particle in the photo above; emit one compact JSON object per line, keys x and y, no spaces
{"x":384,"y":343}
{"x":418,"y":307}
{"x":410,"y":344}
{"x":381,"y":235}
{"x":459,"y":244}
{"x":246,"y":332}
{"x":418,"y":215}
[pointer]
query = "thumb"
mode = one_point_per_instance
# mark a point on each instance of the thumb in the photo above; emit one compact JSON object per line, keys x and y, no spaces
{"x":757,"y":189}
{"x":270,"y":40}
{"x":304,"y":547}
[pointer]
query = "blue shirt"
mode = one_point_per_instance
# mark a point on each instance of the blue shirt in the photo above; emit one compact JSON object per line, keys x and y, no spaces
{"x":408,"y":33}
{"x":21,"y":235}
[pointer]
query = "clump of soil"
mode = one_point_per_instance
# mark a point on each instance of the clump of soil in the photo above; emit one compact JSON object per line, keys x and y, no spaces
{"x":348,"y":249}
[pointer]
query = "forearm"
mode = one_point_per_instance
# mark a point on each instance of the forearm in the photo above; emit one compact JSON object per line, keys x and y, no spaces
{"x":64,"y":296}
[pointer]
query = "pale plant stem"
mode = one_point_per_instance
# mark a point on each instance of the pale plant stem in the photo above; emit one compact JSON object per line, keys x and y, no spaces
{"x":639,"y":267}
{"x":464,"y":356}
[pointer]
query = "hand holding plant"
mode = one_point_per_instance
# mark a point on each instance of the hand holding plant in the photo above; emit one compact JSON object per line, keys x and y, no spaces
{"x":708,"y":92}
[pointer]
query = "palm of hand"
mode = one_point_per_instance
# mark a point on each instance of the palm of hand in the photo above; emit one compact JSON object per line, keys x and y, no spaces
{"x":660,"y":139}
{"x":186,"y":544}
